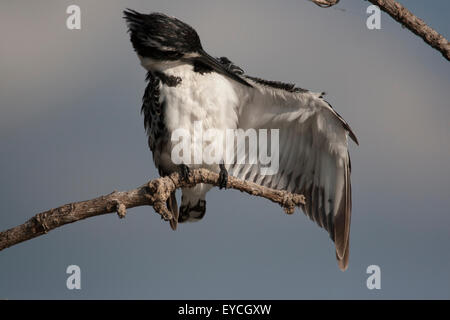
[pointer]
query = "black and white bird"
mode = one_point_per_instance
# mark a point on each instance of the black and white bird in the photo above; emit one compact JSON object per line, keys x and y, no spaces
{"x":186,"y":84}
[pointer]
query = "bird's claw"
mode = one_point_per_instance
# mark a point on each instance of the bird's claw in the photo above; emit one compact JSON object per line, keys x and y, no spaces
{"x":184,"y":172}
{"x":223,"y":177}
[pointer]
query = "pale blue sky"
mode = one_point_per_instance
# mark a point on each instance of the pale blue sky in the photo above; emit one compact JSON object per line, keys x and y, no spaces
{"x":70,"y":130}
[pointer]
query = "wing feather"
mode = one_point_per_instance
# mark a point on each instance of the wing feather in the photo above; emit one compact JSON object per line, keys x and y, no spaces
{"x":314,"y":159}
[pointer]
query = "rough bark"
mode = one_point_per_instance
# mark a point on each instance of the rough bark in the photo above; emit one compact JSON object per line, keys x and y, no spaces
{"x":407,"y":19}
{"x":154,"y":193}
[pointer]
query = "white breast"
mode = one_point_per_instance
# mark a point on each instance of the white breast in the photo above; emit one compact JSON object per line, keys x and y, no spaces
{"x":210,"y":100}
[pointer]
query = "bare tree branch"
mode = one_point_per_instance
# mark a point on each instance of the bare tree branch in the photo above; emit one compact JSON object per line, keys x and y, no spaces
{"x":154,"y":193}
{"x":402,"y":15}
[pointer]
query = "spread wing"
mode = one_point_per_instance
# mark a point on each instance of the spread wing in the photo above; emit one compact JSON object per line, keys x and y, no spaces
{"x":313,"y":154}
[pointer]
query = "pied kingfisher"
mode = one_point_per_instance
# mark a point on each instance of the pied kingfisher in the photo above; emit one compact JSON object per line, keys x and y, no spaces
{"x":186,"y":84}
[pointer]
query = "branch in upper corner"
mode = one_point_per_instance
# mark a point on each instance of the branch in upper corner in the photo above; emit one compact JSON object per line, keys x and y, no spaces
{"x":407,"y":19}
{"x":155,"y":193}
{"x":415,"y":24}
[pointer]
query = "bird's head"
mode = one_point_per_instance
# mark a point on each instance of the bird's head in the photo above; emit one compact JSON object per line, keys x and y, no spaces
{"x":159,"y":39}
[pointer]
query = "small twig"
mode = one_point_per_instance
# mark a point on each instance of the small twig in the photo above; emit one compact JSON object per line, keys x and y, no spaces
{"x":155,"y":193}
{"x":121,"y":209}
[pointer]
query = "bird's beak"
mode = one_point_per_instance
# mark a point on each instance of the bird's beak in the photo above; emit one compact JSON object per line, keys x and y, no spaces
{"x":208,"y":60}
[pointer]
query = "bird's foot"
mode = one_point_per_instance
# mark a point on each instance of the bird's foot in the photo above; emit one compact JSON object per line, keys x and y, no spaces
{"x":223,"y":177}
{"x":184,"y":172}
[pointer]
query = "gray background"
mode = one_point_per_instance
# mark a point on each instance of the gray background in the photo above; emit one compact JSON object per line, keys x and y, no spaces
{"x":70,"y":129}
